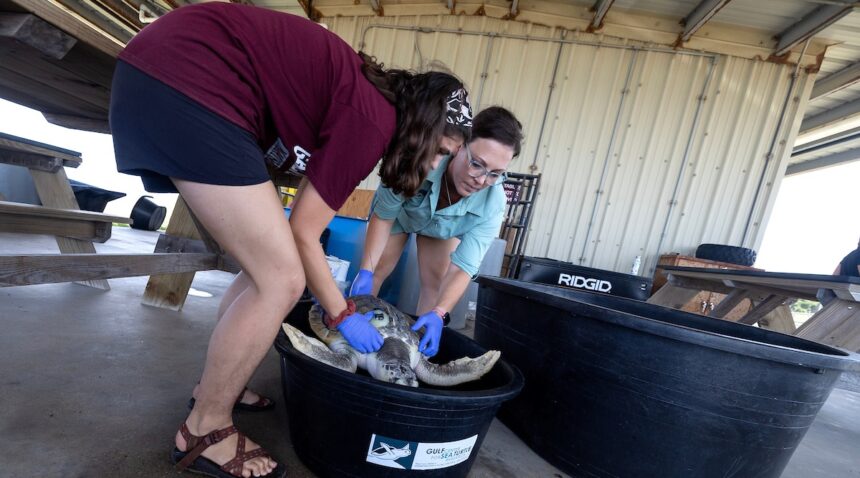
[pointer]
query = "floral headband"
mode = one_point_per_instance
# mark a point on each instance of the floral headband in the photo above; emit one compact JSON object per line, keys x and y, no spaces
{"x":459,"y":112}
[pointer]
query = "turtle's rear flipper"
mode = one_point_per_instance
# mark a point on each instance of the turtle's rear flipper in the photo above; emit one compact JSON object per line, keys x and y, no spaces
{"x":459,"y":371}
{"x":313,"y":348}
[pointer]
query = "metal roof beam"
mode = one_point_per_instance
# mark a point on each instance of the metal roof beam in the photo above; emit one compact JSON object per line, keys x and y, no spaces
{"x":699,"y":16}
{"x":819,"y":19}
{"x":514,"y":5}
{"x":836,"y":81}
{"x":830,"y":116}
{"x":600,"y":8}
{"x":823,"y":162}
{"x":834,"y":140}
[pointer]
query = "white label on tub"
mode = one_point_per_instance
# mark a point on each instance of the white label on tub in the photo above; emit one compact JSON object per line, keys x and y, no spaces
{"x":410,"y":455}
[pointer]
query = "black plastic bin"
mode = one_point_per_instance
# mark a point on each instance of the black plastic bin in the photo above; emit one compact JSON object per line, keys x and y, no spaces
{"x":345,"y":425}
{"x":621,"y":388}
{"x":146,"y":215}
{"x":565,"y":274}
{"x":92,"y":198}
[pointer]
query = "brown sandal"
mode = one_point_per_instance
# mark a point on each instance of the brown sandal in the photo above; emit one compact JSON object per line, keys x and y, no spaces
{"x":192,"y":461}
{"x":261,"y":405}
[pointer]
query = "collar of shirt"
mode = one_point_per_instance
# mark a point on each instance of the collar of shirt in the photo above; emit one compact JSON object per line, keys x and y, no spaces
{"x":473,"y":203}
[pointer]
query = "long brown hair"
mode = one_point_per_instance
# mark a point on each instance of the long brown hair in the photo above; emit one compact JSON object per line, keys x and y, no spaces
{"x":420,"y":101}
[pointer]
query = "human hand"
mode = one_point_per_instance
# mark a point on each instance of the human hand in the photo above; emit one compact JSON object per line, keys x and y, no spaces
{"x":362,"y":336}
{"x":362,"y":284}
{"x":432,"y":323}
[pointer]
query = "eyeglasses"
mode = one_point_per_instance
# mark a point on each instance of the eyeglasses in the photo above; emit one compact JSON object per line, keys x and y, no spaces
{"x":478,"y":170}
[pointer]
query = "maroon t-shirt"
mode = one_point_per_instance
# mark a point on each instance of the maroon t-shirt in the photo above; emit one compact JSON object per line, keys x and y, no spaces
{"x":293,"y":84}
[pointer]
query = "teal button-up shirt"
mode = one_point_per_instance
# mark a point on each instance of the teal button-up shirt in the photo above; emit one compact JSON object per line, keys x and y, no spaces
{"x":475,"y":219}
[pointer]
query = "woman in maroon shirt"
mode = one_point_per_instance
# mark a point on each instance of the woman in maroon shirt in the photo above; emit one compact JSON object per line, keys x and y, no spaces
{"x":208,"y":99}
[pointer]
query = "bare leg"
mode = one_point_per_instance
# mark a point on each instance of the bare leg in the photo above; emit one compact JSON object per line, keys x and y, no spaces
{"x":249,"y":223}
{"x":388,"y":260}
{"x":239,"y":284}
{"x":434,"y":258}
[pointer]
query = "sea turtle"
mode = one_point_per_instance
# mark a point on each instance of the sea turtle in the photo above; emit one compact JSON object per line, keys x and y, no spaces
{"x":398,"y":361}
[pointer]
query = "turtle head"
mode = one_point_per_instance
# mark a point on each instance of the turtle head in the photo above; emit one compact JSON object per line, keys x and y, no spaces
{"x":391,"y":363}
{"x":399,"y":373}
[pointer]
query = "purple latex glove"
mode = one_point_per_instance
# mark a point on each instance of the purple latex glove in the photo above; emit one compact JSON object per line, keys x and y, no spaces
{"x":432,"y":323}
{"x":362,"y":284}
{"x":360,"y":334}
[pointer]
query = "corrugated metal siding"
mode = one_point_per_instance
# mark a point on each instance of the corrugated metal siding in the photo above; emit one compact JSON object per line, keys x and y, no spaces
{"x":624,"y":130}
{"x":741,"y":119}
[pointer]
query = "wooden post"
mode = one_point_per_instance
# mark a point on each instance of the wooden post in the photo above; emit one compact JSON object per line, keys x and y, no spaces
{"x":837,"y":323}
{"x":762,"y":309}
{"x":169,"y":291}
{"x":673,"y":296}
{"x":779,"y":320}
{"x":728,"y":303}
{"x":54,"y":191}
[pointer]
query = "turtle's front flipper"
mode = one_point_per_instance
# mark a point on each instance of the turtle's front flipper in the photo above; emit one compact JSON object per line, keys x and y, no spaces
{"x":459,"y":371}
{"x":345,"y":359}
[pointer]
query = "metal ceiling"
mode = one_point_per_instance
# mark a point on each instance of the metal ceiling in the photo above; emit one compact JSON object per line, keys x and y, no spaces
{"x":787,"y":25}
{"x":775,"y":27}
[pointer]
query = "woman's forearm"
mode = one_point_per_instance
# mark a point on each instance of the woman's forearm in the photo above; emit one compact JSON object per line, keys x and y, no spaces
{"x":378,"y":231}
{"x":454,"y":284}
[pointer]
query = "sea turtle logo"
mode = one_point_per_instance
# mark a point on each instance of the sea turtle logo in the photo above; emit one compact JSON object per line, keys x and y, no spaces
{"x":391,"y":452}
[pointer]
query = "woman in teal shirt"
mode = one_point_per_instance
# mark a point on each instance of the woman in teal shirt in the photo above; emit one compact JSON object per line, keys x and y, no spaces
{"x":458,"y":210}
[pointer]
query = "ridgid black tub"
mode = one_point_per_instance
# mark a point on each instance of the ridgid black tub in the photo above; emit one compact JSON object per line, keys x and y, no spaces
{"x":351,"y":425}
{"x":620,"y":388}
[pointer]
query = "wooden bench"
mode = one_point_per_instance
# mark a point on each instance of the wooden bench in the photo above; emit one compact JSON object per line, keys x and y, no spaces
{"x":175,"y":260}
{"x":47,"y":164}
{"x":836,"y":323}
{"x":73,"y":224}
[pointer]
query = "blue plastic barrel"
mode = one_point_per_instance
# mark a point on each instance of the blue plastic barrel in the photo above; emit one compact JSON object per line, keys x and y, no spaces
{"x":346,"y":241}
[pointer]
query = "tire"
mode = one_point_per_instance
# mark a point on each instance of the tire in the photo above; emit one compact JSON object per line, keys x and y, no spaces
{"x":731,"y":254}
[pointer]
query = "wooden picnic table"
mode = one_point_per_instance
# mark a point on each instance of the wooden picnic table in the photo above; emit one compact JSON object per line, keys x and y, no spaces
{"x":75,"y":230}
{"x":837,"y":323}
{"x":183,"y":250}
{"x":59,"y":213}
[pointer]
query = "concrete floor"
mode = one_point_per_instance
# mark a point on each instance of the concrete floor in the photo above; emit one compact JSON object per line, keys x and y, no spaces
{"x":94,"y":384}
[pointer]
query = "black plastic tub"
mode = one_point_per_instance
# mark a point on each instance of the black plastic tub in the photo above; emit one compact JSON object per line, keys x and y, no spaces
{"x":146,"y":215}
{"x":621,"y":388}
{"x":92,"y":198}
{"x":351,"y":425}
{"x":564,"y":274}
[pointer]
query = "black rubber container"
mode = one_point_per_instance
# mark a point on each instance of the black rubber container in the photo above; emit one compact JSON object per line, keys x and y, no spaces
{"x":565,"y":274}
{"x":147,"y":215}
{"x":92,"y":198}
{"x":621,"y":388}
{"x":338,"y":420}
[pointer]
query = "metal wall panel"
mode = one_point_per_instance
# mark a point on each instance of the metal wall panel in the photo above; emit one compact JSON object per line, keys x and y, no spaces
{"x":643,"y":151}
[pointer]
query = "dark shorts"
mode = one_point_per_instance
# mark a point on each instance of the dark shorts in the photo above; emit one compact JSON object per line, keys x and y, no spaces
{"x":159,"y":133}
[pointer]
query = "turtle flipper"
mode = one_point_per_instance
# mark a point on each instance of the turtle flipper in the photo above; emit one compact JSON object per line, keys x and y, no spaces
{"x":456,"y":372}
{"x":345,"y":359}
